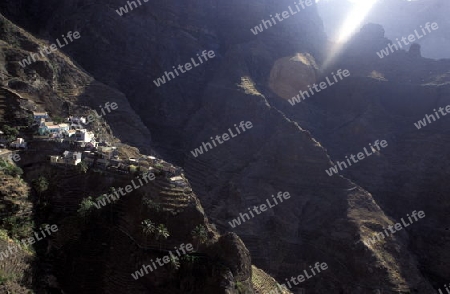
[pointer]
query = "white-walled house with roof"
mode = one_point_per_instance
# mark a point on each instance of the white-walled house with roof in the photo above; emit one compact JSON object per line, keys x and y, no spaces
{"x":40,"y":115}
{"x":107,"y":152}
{"x":76,"y":123}
{"x":18,"y":143}
{"x":84,"y":135}
{"x":51,"y":128}
{"x":64,"y":127}
{"x":68,"y":157}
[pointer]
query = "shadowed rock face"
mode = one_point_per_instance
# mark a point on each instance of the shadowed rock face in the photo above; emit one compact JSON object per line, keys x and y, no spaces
{"x":409,"y":174}
{"x":129,"y":52}
{"x":327,"y":219}
{"x":97,"y":253}
{"x":289,"y":75}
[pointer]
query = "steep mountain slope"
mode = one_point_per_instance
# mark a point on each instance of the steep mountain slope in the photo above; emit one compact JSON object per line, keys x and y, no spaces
{"x":410,"y":174}
{"x":327,"y":218}
{"x":98,"y":252}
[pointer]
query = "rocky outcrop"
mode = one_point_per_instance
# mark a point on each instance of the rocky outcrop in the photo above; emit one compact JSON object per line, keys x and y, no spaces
{"x":326,"y":218}
{"x":62,"y":88}
{"x":98,"y":253}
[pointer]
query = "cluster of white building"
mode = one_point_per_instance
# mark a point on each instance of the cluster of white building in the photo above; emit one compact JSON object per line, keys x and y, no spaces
{"x":103,"y":157}
{"x":72,"y":130}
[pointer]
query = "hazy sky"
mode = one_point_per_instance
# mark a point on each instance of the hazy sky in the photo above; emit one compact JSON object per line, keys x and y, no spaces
{"x":343,"y":17}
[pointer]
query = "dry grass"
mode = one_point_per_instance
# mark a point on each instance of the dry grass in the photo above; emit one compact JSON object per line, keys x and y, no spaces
{"x":248,"y":86}
{"x":263,"y":283}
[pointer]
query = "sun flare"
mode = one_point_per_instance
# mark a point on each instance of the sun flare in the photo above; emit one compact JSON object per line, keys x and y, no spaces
{"x":355,"y":18}
{"x":352,"y":22}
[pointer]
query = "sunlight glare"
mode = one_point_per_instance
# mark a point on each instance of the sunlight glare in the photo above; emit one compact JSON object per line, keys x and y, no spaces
{"x":355,"y":18}
{"x":352,"y":23}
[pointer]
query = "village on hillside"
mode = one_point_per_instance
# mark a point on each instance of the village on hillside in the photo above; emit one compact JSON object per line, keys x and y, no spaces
{"x":82,"y":147}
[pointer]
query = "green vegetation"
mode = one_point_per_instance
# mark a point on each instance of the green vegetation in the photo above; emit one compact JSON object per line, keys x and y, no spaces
{"x":86,"y":207}
{"x":4,"y":235}
{"x":200,"y":235}
{"x":57,"y":119}
{"x":148,"y":227}
{"x":10,"y":169}
{"x":18,"y":227}
{"x":161,"y":231}
{"x":133,"y":169}
{"x":4,"y":277}
{"x":40,"y":184}
{"x":10,"y":133}
{"x":240,"y":287}
{"x":30,"y":120}
{"x":82,"y":167}
{"x":190,"y":258}
{"x":174,"y":263}
{"x":151,"y":204}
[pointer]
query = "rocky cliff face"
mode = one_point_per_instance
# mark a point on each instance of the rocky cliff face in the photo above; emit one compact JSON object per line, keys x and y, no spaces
{"x":156,"y":36}
{"x":98,"y":252}
{"x":410,"y":173}
{"x":327,"y":219}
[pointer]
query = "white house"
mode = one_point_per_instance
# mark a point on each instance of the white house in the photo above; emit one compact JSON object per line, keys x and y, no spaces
{"x":107,"y":152}
{"x":168,"y":167}
{"x":68,"y":157}
{"x":64,"y":127}
{"x":39,"y":115}
{"x":52,"y":128}
{"x":152,"y":159}
{"x":72,"y":158}
{"x":76,"y":122}
{"x":70,"y":133}
{"x":76,"y":119}
{"x":18,"y":143}
{"x":84,"y":135}
{"x":178,"y":181}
